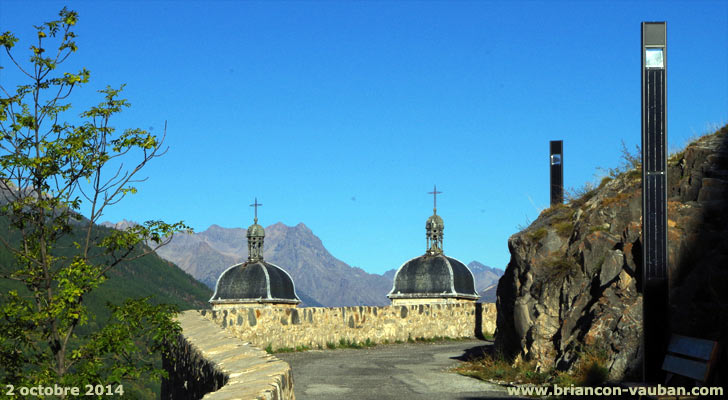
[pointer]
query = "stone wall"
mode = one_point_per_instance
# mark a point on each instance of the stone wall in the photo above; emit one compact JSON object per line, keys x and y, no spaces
{"x":207,"y":362}
{"x":317,"y":327}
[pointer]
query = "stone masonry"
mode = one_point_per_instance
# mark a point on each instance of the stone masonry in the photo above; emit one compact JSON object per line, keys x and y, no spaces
{"x":208,"y":363}
{"x":316,"y":327}
{"x":211,"y":363}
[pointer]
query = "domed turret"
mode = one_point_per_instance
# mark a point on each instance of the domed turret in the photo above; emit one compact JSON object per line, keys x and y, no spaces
{"x":254,"y":282}
{"x":255,"y":230}
{"x":433,"y":277}
{"x":435,"y":228}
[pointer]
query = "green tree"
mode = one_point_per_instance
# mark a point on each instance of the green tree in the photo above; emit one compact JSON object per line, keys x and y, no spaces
{"x":48,"y":169}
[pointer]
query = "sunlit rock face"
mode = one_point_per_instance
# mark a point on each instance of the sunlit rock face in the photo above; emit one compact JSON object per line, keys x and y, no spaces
{"x":573,"y":284}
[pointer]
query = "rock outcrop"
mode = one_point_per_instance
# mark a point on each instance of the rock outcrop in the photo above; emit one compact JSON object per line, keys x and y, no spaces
{"x":574,"y":279}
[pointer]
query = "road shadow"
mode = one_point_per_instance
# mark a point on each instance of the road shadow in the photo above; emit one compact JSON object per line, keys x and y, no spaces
{"x":476,"y":352}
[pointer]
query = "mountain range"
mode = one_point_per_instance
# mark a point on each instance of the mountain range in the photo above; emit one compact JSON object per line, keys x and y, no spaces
{"x":146,"y":276}
{"x":486,"y":280}
{"x":320,"y":278}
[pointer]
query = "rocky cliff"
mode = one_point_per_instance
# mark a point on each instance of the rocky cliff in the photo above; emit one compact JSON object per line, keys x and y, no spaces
{"x":574,"y":279}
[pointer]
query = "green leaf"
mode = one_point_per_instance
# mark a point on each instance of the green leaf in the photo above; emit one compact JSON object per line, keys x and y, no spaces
{"x":8,"y":40}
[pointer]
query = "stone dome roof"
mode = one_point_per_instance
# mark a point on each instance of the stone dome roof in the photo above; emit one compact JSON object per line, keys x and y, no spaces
{"x":255,"y":282}
{"x":255,"y":230}
{"x":434,"y":221}
{"x":433,"y":275}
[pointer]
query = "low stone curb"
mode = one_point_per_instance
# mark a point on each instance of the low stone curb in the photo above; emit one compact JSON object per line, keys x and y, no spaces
{"x":214,"y":365}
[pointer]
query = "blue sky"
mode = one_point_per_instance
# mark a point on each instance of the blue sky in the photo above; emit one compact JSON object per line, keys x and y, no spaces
{"x":343,"y":115}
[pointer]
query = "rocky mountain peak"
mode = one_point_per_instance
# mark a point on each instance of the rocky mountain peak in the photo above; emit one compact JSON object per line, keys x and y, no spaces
{"x":301,"y":226}
{"x":476,"y":266}
{"x":278,"y":226}
{"x":121,"y":225}
{"x":299,"y":235}
{"x":213,"y":229}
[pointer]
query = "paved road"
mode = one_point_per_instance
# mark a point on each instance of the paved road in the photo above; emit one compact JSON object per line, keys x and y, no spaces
{"x":401,"y":371}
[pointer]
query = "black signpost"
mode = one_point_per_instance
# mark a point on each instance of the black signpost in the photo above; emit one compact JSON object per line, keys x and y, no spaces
{"x":654,"y":198}
{"x":556,"y":162}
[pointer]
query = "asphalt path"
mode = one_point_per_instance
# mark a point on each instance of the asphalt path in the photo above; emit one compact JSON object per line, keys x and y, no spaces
{"x":398,"y":371}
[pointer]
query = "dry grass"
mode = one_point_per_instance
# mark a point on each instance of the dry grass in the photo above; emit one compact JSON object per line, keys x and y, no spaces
{"x":564,"y":228}
{"x":634,"y":174}
{"x":497,"y":368}
{"x":538,"y":234}
{"x":349,"y":344}
{"x":604,"y":181}
{"x":559,"y":267}
{"x":270,"y":350}
{"x":599,"y":228}
{"x":620,"y":197}
{"x":630,"y":168}
{"x":576,"y":197}
{"x":589,"y":371}
{"x":712,"y":129}
{"x":343,"y":344}
{"x":629,"y":161}
{"x":591,"y":368}
{"x":553,"y":210}
{"x":559,"y":216}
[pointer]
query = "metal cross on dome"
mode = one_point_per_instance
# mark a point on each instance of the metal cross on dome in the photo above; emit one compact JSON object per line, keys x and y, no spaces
{"x":434,"y":192}
{"x":256,"y":204}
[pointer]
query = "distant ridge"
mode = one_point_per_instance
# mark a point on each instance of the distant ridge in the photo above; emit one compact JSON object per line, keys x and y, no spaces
{"x":485,"y":279}
{"x":488,"y":295}
{"x":121,"y":225}
{"x":320,"y":278}
{"x":146,"y":276}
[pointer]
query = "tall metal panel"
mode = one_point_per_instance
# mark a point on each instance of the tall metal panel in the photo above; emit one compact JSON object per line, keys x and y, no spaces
{"x":654,"y":198}
{"x":556,"y":166}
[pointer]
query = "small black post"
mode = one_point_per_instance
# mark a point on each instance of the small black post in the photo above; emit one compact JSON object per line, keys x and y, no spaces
{"x":655,"y":299}
{"x":556,"y":162}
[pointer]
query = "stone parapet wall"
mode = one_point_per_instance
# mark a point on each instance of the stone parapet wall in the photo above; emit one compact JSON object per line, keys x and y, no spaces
{"x":417,"y":301}
{"x":317,"y":327}
{"x":210,"y":363}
